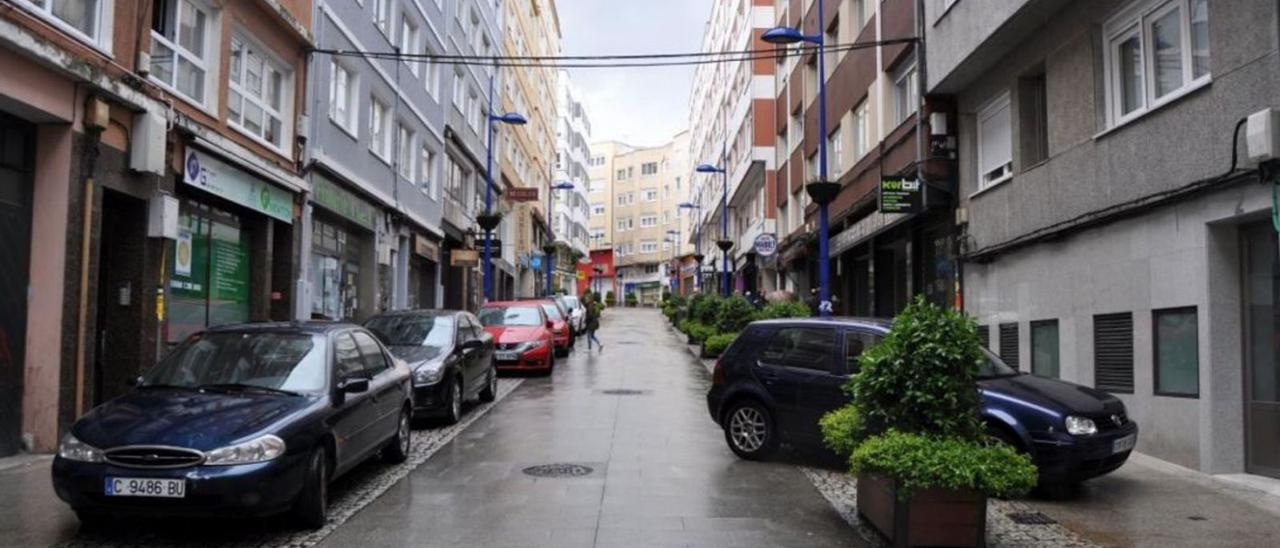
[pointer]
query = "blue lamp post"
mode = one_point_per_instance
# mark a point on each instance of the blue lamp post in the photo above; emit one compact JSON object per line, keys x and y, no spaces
{"x":723,"y":243}
{"x":489,"y":220}
{"x":822,"y":191}
{"x":550,"y":248}
{"x":673,"y":236}
{"x":697,"y":239}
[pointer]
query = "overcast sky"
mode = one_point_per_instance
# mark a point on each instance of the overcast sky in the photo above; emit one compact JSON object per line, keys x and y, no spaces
{"x":640,"y":106}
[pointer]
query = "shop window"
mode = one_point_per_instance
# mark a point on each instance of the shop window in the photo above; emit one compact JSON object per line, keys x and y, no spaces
{"x":335,"y":271}
{"x":1044,"y":349}
{"x":258,"y":93}
{"x":181,"y":31}
{"x":209,"y":283}
{"x":1177,"y":352}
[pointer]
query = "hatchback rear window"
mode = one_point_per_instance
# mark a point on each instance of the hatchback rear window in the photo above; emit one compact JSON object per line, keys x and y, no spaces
{"x":516,"y":316}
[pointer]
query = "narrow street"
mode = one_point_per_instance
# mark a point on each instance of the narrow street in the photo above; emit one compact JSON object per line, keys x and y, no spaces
{"x":660,"y":475}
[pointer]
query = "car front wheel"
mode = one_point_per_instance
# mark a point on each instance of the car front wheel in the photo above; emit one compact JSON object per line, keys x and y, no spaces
{"x":397,"y":449}
{"x":312,"y":507}
{"x":453,"y":409}
{"x":749,"y":430}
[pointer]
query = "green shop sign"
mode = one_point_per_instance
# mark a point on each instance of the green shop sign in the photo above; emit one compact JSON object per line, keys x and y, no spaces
{"x":898,"y":195}
{"x":343,"y":202}
{"x":221,"y":179}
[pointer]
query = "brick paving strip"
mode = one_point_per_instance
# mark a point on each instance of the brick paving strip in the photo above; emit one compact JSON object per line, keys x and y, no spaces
{"x":348,"y":495}
{"x":840,"y":489}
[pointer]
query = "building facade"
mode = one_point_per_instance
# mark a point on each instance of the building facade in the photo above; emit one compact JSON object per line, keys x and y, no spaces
{"x":732,"y":127}
{"x":1109,"y":240}
{"x":572,"y":207}
{"x":151,"y":186}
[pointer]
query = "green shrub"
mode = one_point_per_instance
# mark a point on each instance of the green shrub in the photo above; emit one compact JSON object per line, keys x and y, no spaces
{"x":922,"y":377}
{"x":734,"y":314}
{"x":609,"y":299}
{"x":715,"y":345}
{"x":631,"y":299}
{"x":840,"y":430}
{"x":705,"y":308}
{"x":699,"y":332}
{"x":787,"y":309}
{"x":917,"y":461}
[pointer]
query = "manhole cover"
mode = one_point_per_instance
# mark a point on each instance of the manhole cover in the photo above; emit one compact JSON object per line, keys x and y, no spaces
{"x":624,"y":392}
{"x":1031,"y":518}
{"x":558,"y":470}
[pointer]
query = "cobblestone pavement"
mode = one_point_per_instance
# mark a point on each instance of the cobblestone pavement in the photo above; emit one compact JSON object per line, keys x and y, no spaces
{"x":349,"y":494}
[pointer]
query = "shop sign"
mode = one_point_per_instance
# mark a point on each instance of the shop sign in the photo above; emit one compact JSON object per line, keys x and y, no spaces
{"x":222,"y":179}
{"x":898,"y":195}
{"x":183,"y":254}
{"x":464,"y":257}
{"x":343,"y":202}
{"x":494,"y":244}
{"x":862,"y":230}
{"x":766,"y":245}
{"x":582,"y":275}
{"x":426,"y":248}
{"x":522,"y":194}
{"x":535,"y":262}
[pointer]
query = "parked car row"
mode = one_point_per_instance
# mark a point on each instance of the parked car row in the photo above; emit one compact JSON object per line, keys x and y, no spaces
{"x":259,"y":419}
{"x":779,"y":377}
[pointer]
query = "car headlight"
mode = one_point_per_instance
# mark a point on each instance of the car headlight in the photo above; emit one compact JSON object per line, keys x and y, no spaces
{"x":261,"y":449}
{"x":1080,"y":426}
{"x":73,"y":449}
{"x":425,"y":376}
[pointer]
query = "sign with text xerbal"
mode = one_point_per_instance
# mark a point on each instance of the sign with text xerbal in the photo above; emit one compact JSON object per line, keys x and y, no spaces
{"x":222,"y":179}
{"x":899,"y":195}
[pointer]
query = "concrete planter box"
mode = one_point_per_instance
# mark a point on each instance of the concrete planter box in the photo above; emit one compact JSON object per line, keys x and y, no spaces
{"x":932,"y":517}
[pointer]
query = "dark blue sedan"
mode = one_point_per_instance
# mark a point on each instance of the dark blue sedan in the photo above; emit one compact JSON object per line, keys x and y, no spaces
{"x":244,"y":420}
{"x":781,"y":376}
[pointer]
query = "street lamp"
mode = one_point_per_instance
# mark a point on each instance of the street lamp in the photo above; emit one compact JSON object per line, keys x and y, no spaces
{"x":822,"y":191}
{"x":723,"y":243}
{"x":673,"y":236}
{"x":550,"y":248}
{"x":489,"y":220}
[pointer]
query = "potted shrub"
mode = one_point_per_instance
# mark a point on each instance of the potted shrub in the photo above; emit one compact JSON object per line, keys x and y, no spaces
{"x":715,"y":345}
{"x":734,"y":314}
{"x":631,"y":299}
{"x":609,"y":299}
{"x":924,"y":464}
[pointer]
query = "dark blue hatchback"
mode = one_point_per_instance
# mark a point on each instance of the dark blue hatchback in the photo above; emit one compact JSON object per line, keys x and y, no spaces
{"x":240,"y":421}
{"x":780,"y":376}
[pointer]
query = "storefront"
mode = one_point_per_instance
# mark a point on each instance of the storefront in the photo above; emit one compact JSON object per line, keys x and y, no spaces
{"x":423,"y":272}
{"x":230,"y":227}
{"x":341,"y":265}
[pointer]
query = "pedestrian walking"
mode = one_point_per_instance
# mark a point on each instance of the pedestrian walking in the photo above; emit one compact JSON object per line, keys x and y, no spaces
{"x":593,"y":321}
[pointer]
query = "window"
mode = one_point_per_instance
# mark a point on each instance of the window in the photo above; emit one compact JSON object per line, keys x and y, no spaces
{"x":1177,"y":352}
{"x":180,"y":31}
{"x":835,"y":154}
{"x":995,"y":143}
{"x":404,"y":151}
{"x":597,"y":210}
{"x":649,"y":168}
{"x":342,"y":97}
{"x":906,"y":94}
{"x":621,"y":175}
{"x":258,"y":93}
{"x":622,"y":225}
{"x":648,"y":246}
{"x":347,"y":358}
{"x":1009,"y":344}
{"x":379,"y":133}
{"x":622,"y":199}
{"x":1154,"y":52}
{"x":427,"y":174}
{"x":409,"y":41}
{"x":455,"y":180}
{"x":1044,"y":349}
{"x":431,"y":74}
{"x":83,"y":17}
{"x":382,"y":15}
{"x":855,"y":343}
{"x":802,"y":347}
{"x":811,"y":168}
{"x":1113,"y":352}
{"x":1033,"y":119}
{"x":861,"y":131}
{"x":375,"y":362}
{"x":648,"y":221}
{"x":459,"y":91}
{"x":649,"y":195}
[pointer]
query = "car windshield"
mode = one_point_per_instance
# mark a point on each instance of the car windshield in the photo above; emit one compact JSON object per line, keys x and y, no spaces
{"x":516,"y":316}
{"x":571,"y":301}
{"x":293,"y":362}
{"x":435,"y":332}
{"x":552,"y":311}
{"x":993,"y":367}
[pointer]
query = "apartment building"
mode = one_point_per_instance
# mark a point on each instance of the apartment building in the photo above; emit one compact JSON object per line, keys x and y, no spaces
{"x":879,"y":257}
{"x":372,"y":224}
{"x":572,"y":207}
{"x":532,"y":28}
{"x":1109,"y":241}
{"x":150,"y":185}
{"x":732,"y":121}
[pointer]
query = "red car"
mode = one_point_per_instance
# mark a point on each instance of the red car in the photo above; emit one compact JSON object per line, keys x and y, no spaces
{"x":522,"y":335}
{"x":560,"y":329}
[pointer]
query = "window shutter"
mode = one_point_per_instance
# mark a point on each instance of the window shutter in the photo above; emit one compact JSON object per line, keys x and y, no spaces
{"x":1009,"y":344}
{"x":995,"y":133}
{"x":1113,"y":352}
{"x":984,"y":335}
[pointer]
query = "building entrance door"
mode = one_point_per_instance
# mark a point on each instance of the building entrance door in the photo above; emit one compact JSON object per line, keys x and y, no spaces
{"x":1262,"y":340}
{"x":17,"y":144}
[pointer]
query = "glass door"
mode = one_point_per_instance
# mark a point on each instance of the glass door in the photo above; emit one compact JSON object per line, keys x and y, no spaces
{"x":1262,"y":339}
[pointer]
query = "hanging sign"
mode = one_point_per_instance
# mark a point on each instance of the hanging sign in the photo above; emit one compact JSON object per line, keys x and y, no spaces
{"x":899,"y":195}
{"x":522,"y":194}
{"x":766,"y":245}
{"x":425,"y":248}
{"x":464,"y":257}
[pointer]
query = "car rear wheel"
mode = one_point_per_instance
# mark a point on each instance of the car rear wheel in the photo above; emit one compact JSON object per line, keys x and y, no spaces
{"x":312,"y":507}
{"x":490,"y":391}
{"x":453,"y":408}
{"x":397,"y":449}
{"x":749,"y":430}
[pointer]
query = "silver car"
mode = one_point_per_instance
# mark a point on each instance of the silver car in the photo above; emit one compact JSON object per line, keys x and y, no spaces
{"x":577,"y":312}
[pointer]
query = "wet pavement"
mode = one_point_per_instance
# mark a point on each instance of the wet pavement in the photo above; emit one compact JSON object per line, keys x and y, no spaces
{"x":660,"y":473}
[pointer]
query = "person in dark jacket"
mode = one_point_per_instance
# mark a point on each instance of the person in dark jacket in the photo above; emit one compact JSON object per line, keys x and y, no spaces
{"x":593,"y":321}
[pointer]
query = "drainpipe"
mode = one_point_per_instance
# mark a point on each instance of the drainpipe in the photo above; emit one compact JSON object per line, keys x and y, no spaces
{"x":88,"y":164}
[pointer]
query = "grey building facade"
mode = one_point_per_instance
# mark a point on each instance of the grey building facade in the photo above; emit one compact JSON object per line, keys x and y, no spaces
{"x":376,"y":143}
{"x":1106,"y":239}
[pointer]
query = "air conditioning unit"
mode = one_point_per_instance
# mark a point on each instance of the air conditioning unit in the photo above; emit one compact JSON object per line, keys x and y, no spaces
{"x":1262,"y":135}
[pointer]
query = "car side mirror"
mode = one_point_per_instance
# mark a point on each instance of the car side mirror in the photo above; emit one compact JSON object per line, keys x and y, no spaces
{"x":353,"y":385}
{"x":472,"y":345}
